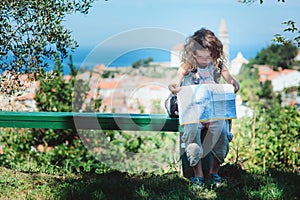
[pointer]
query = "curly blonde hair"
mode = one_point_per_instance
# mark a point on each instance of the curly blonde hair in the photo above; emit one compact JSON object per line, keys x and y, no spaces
{"x":200,"y":40}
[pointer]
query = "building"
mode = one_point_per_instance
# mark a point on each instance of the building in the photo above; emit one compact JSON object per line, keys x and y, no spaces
{"x":237,"y":63}
{"x":224,"y":37}
{"x":285,"y":79}
{"x":281,"y":79}
{"x":285,"y":82}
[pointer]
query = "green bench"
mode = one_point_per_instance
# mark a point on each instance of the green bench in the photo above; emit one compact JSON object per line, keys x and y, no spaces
{"x":75,"y":120}
{"x":103,"y":121}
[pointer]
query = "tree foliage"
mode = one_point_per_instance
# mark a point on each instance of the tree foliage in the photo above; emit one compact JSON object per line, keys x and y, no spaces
{"x":32,"y":32}
{"x":277,"y":55}
{"x":142,"y":63}
{"x":252,"y":1}
{"x":249,"y":83}
{"x":292,"y":28}
{"x":56,"y":94}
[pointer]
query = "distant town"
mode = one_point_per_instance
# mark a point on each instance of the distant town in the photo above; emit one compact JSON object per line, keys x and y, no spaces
{"x":144,"y":89}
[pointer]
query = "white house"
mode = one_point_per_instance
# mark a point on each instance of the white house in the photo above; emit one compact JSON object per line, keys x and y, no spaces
{"x":237,"y":63}
{"x":286,"y":79}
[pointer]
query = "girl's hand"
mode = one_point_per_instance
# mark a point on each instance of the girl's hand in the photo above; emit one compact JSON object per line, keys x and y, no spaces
{"x":235,"y":86}
{"x":174,"y":88}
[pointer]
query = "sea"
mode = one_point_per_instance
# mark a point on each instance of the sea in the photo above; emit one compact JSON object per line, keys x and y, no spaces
{"x":87,"y":57}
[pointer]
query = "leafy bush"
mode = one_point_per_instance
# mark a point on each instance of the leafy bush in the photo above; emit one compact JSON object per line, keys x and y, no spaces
{"x":37,"y":148}
{"x":21,"y":152}
{"x":271,"y":137}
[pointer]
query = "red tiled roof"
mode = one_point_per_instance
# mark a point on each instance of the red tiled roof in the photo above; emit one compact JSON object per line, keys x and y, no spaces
{"x":267,"y":73}
{"x":155,"y":87}
{"x":99,"y":68}
{"x":26,"y":96}
{"x":108,"y":84}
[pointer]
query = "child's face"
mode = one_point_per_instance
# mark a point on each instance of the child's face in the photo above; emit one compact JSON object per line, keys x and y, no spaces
{"x":203,"y":57}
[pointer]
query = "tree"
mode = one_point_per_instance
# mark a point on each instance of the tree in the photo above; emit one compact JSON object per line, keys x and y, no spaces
{"x":267,"y":90}
{"x":142,"y":63}
{"x":249,"y":83}
{"x":277,"y":55}
{"x":32,"y":33}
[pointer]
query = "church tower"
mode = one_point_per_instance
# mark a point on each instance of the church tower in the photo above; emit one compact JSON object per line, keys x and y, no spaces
{"x":223,"y":36}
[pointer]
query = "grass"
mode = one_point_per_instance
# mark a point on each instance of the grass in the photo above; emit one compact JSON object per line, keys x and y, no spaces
{"x":117,"y":185}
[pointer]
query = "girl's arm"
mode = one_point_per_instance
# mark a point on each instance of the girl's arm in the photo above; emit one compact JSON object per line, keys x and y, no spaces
{"x":229,"y":79}
{"x":175,"y":87}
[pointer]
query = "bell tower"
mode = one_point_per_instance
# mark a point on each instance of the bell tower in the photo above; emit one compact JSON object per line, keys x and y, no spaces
{"x":223,"y":36}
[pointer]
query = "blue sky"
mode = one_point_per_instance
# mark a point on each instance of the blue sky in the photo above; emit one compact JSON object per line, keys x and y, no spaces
{"x":251,"y":25}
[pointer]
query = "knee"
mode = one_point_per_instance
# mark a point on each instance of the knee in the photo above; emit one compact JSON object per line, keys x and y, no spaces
{"x":194,"y":153}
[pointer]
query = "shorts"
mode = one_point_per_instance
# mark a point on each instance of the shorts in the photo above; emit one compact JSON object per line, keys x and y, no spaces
{"x":215,"y":141}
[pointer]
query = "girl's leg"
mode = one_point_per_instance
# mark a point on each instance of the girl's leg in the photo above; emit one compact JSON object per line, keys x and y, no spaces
{"x":194,"y":149}
{"x":198,"y":169}
{"x":215,"y":165}
{"x":214,"y":137}
{"x":221,"y":148}
{"x":194,"y":155}
{"x":216,"y":142}
{"x":219,"y":152}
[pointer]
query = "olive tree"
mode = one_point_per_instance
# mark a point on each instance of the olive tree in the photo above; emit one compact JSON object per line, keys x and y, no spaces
{"x":32,"y":32}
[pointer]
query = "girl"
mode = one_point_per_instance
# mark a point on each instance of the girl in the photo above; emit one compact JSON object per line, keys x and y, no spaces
{"x":202,"y":63}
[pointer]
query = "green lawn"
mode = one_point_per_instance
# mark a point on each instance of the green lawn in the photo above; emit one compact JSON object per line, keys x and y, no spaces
{"x":117,"y":185}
